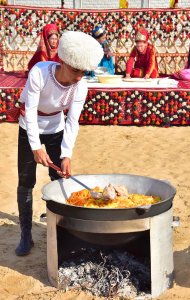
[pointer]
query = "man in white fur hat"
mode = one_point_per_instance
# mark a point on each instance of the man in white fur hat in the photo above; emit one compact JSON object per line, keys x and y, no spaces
{"x":50,"y":89}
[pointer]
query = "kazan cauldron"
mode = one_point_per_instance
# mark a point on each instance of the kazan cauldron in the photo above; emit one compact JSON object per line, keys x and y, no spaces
{"x":96,"y":225}
{"x":113,"y":226}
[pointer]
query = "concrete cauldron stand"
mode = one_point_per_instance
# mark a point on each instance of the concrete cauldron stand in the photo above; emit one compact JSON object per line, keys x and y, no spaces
{"x":158,"y":226}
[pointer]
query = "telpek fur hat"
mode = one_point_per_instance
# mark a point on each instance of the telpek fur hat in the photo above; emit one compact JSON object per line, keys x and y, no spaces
{"x":80,"y":50}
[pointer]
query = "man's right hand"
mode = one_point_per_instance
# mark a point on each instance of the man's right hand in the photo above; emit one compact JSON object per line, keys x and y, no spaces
{"x":41,"y":157}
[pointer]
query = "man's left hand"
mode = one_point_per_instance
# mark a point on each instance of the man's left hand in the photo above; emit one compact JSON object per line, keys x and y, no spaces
{"x":65,"y":167}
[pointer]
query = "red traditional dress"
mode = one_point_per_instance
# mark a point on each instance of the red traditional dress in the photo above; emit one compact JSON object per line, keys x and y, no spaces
{"x":141,"y":64}
{"x":44,"y":51}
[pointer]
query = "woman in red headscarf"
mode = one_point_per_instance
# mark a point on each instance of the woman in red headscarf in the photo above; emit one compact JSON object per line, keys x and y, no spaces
{"x":47,"y":48}
{"x":142,"y":60}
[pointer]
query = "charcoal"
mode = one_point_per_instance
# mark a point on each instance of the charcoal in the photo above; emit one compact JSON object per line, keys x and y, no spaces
{"x":106,"y":273}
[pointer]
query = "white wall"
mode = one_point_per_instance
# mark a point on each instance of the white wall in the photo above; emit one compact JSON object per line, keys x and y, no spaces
{"x":97,"y":4}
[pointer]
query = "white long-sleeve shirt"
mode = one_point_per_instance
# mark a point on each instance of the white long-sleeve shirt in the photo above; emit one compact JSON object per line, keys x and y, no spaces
{"x":44,"y":93}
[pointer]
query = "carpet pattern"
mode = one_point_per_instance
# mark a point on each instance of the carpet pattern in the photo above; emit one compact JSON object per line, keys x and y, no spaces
{"x":12,"y":80}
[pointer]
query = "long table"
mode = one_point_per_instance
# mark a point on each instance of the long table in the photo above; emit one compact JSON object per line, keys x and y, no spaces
{"x":116,"y":105}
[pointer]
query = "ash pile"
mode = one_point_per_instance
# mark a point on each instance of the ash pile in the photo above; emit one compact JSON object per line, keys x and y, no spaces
{"x":107,"y":274}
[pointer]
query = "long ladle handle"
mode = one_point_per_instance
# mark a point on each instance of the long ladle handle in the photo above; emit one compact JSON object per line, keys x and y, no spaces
{"x":73,"y":178}
{"x":55,"y":167}
{"x":81,"y":183}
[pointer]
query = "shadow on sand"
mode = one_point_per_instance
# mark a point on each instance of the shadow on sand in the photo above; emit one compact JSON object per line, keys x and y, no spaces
{"x":182,"y":267}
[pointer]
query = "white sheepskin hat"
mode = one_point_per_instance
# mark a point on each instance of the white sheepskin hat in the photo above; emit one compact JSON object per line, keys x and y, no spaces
{"x":80,"y":50}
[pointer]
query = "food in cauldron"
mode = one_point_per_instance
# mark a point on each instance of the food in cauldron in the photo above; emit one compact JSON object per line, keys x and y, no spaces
{"x":113,"y":196}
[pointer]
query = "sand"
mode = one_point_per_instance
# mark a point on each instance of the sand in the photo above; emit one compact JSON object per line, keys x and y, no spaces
{"x":161,"y":153}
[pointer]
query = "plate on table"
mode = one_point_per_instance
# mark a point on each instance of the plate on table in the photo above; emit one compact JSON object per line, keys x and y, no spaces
{"x":90,"y":79}
{"x":137,"y":79}
{"x":100,"y":71}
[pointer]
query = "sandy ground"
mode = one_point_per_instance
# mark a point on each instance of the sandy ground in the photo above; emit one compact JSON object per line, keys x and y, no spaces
{"x":162,"y":153}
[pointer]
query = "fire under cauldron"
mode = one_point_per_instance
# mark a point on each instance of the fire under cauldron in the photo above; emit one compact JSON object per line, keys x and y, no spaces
{"x":113,"y":227}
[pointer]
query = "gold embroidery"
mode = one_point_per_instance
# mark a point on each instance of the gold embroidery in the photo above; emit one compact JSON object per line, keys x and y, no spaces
{"x":140,"y":37}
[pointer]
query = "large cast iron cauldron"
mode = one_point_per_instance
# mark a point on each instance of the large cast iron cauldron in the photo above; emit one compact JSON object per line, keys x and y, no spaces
{"x":59,"y":190}
{"x":106,"y":226}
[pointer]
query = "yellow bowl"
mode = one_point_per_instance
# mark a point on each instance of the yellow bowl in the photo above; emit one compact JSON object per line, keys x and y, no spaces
{"x":110,"y":78}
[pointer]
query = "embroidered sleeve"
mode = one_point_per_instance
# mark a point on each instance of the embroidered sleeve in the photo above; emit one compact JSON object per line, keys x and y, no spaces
{"x":30,"y":96}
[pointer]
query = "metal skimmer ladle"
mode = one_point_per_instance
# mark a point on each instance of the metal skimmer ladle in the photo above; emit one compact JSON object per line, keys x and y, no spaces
{"x":95,"y":195}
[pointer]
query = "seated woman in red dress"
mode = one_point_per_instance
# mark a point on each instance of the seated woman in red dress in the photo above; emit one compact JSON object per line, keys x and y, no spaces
{"x":47,"y":48}
{"x":142,"y":60}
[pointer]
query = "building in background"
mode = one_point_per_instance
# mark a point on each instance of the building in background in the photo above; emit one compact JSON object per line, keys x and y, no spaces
{"x":99,"y":4}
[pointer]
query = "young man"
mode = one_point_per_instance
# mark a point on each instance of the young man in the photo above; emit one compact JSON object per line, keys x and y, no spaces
{"x":50,"y":89}
{"x":142,"y":60}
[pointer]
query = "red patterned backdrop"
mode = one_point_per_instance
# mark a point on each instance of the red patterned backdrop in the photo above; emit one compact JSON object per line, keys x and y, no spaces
{"x":169,"y":31}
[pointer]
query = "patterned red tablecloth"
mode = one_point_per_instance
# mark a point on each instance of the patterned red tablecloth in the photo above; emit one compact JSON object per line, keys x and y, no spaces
{"x":118,"y":106}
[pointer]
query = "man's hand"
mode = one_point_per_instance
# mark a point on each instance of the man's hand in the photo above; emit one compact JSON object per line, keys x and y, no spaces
{"x":65,"y":167}
{"x":41,"y":157}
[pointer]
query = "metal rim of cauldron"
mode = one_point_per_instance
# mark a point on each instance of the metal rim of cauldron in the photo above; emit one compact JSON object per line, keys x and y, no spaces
{"x":113,"y":214}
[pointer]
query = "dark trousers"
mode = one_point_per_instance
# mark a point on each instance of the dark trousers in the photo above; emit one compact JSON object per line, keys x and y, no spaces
{"x":26,"y":162}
